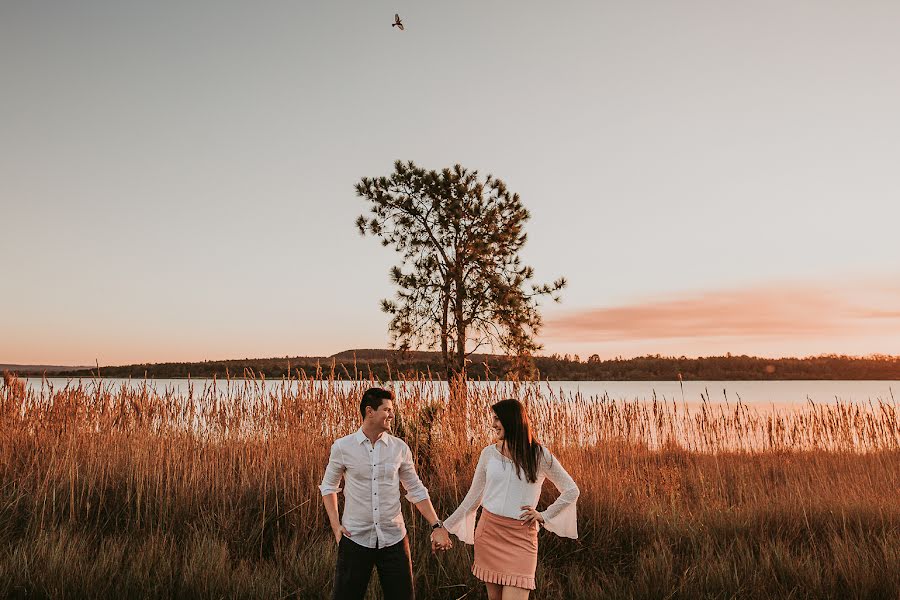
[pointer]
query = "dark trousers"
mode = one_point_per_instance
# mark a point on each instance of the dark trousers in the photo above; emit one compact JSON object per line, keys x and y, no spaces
{"x":354,"y":569}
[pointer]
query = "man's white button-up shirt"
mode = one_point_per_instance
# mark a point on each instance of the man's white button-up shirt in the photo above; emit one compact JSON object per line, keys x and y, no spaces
{"x":372,"y":474}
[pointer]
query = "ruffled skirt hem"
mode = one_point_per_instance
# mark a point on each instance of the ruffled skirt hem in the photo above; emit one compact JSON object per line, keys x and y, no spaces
{"x":519,"y":581}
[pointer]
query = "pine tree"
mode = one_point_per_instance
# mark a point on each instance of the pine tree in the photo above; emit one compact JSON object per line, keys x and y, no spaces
{"x":461,"y":284}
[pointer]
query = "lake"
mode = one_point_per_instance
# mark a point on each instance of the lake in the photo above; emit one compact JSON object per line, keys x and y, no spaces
{"x":761,"y":394}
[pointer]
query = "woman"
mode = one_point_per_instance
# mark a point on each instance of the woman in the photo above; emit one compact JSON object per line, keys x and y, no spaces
{"x":507,"y":484}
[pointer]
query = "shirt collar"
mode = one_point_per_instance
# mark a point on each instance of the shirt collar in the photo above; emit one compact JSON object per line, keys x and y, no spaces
{"x":361,"y":438}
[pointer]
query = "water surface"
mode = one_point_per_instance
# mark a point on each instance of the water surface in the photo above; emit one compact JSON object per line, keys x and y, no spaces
{"x":760,"y":394}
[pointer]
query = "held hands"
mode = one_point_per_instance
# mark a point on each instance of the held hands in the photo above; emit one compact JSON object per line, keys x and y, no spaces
{"x":440,"y":540}
{"x":531,"y":516}
{"x":339,"y":533}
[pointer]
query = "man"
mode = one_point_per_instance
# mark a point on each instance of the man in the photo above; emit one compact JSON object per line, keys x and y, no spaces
{"x":372,"y":532}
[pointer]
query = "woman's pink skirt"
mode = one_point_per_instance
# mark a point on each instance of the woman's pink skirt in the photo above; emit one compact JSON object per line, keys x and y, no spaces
{"x":505,"y":551}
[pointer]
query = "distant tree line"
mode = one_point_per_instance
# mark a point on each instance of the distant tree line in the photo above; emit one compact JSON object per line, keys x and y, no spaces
{"x":722,"y":368}
{"x":390,"y":364}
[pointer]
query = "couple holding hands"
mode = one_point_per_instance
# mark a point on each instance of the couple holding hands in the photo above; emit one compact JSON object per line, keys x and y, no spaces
{"x":506,"y":484}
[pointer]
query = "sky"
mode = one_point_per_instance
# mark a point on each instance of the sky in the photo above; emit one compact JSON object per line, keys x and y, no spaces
{"x":176,"y":178}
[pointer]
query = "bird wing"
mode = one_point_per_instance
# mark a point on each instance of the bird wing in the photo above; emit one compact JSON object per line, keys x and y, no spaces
{"x":396,"y":18}
{"x":400,"y":26}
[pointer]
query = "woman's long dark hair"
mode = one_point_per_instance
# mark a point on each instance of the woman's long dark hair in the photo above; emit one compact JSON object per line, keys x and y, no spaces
{"x":523,"y":448}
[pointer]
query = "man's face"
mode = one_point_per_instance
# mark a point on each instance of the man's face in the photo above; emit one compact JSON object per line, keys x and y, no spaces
{"x":383,"y":418}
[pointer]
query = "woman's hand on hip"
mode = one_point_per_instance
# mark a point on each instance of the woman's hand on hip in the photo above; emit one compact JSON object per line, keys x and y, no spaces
{"x":531,"y":516}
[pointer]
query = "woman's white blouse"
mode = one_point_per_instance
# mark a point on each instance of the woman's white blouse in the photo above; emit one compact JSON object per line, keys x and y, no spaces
{"x":498,"y":489}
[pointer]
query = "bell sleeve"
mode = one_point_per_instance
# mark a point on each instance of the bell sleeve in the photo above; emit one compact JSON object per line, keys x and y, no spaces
{"x":462,"y":522}
{"x":561,"y":516}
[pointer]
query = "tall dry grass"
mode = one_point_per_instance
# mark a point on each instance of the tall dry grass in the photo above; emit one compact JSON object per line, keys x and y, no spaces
{"x":133,"y":491}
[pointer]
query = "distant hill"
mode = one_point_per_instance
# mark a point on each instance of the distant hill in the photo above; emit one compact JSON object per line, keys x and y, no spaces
{"x":389,"y":364}
{"x":376,"y":354}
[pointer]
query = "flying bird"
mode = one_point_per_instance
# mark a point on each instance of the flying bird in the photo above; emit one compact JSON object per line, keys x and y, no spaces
{"x":397,"y":22}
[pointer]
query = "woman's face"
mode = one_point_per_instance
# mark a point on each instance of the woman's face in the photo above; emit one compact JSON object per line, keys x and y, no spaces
{"x":497,"y":426}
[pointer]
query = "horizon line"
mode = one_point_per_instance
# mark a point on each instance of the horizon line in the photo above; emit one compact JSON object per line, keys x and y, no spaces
{"x":558,"y":356}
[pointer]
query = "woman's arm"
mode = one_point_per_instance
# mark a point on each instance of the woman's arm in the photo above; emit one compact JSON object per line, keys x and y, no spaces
{"x":560,"y":517}
{"x":462,"y":522}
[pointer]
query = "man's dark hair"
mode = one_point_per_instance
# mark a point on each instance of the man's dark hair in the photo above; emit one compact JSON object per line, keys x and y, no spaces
{"x":373,"y":397}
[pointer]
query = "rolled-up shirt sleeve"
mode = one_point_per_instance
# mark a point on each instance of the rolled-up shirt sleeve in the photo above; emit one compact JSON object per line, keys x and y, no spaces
{"x":333,"y":472}
{"x":415,"y":489}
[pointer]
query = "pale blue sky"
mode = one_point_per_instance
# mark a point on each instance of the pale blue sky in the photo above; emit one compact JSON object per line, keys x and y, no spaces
{"x":176,"y":178}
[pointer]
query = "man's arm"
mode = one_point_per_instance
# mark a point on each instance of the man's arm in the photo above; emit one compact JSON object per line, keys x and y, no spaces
{"x":329,"y":488}
{"x":417,"y":493}
{"x":331,"y":507}
{"x":427,"y":509}
{"x":440,"y":537}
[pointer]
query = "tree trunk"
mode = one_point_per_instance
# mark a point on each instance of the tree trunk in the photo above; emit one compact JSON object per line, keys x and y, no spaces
{"x":458,"y":384}
{"x":445,"y":332}
{"x":459,"y":362}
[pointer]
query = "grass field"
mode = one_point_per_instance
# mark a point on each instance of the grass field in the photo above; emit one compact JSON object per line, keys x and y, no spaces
{"x":109,"y":493}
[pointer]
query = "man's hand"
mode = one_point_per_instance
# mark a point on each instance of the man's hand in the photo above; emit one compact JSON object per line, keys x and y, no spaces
{"x":440,"y":540}
{"x":339,"y":533}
